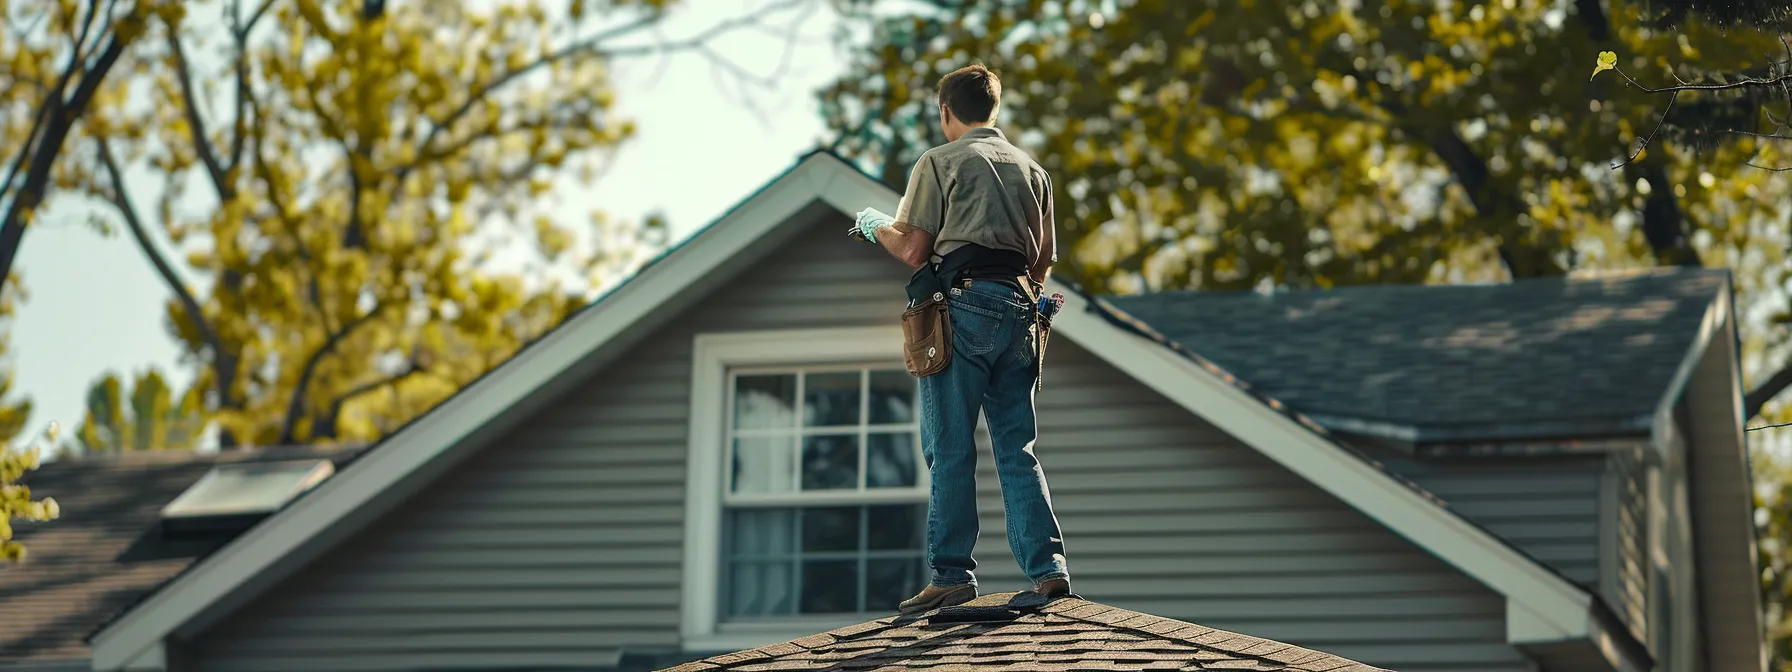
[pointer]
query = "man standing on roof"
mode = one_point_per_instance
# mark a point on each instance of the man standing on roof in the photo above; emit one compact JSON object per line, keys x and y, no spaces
{"x":977,"y":224}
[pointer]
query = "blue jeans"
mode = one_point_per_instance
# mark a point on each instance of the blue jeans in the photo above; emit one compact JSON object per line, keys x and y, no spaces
{"x":992,"y":368}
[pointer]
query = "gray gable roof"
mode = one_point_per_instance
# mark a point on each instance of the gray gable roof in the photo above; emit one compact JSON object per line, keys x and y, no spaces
{"x":100,"y":558}
{"x":1551,"y":357}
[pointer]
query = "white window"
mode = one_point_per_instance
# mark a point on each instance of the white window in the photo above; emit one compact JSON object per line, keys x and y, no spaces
{"x":807,"y":505}
{"x":825,"y":513}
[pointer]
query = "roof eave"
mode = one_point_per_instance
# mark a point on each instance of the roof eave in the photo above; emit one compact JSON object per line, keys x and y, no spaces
{"x":1444,"y":434}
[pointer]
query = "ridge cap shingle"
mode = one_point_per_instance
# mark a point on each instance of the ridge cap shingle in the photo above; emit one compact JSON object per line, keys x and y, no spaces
{"x":1122,"y":638}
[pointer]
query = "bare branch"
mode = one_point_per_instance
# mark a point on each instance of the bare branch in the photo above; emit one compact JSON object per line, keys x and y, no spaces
{"x":1765,"y":392}
{"x":243,"y":32}
{"x":592,"y":45}
{"x":1644,"y":144}
{"x":245,"y":102}
{"x":60,"y":119}
{"x":768,"y":82}
{"x":335,"y":409}
{"x":1744,"y":83}
{"x":47,"y":112}
{"x":297,"y":405}
{"x":202,"y":145}
{"x":80,"y":44}
{"x":120,"y":198}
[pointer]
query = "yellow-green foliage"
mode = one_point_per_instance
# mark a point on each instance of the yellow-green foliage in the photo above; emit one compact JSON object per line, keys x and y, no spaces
{"x":16,"y":502}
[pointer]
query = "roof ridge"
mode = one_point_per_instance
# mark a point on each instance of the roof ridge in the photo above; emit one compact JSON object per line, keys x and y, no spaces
{"x":1224,"y":641}
{"x":1229,"y":644}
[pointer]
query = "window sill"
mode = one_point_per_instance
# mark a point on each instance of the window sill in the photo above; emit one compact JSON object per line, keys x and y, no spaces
{"x":730,"y":637}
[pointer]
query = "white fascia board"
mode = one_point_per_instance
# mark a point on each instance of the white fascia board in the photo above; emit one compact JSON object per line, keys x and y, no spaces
{"x":1662,"y":424}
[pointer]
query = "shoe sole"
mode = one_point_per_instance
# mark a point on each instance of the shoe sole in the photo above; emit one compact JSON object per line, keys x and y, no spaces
{"x":950,"y":599}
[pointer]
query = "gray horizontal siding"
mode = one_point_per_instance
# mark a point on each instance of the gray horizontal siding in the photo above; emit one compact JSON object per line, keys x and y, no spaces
{"x":1164,"y":514}
{"x":1546,"y":507}
{"x":1628,"y":589}
{"x":561,"y":545}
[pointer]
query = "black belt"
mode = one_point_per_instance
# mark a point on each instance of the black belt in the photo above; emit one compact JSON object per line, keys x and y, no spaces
{"x":970,"y":261}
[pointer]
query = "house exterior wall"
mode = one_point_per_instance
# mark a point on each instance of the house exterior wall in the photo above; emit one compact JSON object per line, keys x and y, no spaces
{"x":1586,"y":516}
{"x":1548,"y":507}
{"x":1626,"y":497}
{"x":561,"y":546}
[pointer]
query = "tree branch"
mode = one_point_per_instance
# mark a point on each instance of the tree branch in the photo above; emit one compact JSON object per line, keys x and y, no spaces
{"x":329,"y":419}
{"x":254,"y":18}
{"x":1757,"y":398}
{"x":266,"y":175}
{"x":296,"y":406}
{"x":222,"y":358}
{"x":239,"y":31}
{"x":202,"y":144}
{"x":1745,"y":83}
{"x":50,"y":110}
{"x":590,"y":45}
{"x":1644,"y":143}
{"x":43,"y":156}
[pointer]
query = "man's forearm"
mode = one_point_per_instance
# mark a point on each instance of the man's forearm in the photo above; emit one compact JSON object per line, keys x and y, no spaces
{"x":907,"y":244}
{"x":1040,"y":274}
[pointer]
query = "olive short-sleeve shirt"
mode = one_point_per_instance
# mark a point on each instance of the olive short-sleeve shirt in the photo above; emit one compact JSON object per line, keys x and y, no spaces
{"x":982,"y":189}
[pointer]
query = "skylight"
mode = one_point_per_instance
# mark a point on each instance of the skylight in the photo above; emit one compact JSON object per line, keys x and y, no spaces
{"x":248,"y":488}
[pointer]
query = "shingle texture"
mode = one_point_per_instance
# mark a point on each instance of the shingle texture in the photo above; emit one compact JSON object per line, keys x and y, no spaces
{"x":1066,"y":635}
{"x":92,"y":563}
{"x":1556,"y":356}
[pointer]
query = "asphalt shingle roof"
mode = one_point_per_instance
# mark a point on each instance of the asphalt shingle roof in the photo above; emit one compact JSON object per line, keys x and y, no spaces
{"x":99,"y":559}
{"x":1069,"y":634}
{"x":1545,"y":357}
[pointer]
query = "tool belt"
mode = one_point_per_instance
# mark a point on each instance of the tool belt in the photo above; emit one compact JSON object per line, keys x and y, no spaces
{"x":927,"y":321}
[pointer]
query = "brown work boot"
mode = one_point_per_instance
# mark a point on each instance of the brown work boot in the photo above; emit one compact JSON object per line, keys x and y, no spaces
{"x":1043,"y":593}
{"x":935,"y":597}
{"x":1052,"y":588}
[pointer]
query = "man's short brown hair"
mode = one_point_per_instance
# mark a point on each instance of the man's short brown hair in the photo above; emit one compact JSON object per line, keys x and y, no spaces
{"x":972,"y":93}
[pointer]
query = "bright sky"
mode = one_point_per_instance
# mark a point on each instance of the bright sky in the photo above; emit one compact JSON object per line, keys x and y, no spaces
{"x":96,"y":305}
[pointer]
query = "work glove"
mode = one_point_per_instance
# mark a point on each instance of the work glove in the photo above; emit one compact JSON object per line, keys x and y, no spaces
{"x":867,"y":222}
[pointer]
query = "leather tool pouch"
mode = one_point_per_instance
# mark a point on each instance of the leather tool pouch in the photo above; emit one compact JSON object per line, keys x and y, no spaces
{"x":927,"y":337}
{"x":926,"y":325}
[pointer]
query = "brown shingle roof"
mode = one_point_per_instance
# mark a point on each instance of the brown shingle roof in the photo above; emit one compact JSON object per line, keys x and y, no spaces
{"x":1069,"y":634}
{"x":92,"y":563}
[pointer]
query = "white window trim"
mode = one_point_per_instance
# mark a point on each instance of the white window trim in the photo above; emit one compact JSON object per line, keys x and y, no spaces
{"x":711,"y":358}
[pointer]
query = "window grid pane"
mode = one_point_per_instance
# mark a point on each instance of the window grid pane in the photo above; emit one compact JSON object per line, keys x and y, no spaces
{"x":801,"y":543}
{"x":812,"y":582}
{"x":864,"y":519}
{"x":828,"y":461}
{"x":864,"y":409}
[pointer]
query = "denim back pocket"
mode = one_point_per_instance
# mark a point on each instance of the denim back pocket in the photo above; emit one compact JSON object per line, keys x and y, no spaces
{"x":976,"y":330}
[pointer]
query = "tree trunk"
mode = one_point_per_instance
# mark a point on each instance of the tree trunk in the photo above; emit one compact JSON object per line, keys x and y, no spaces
{"x":37,"y":176}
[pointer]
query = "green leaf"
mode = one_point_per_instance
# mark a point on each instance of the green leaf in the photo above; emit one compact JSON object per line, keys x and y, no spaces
{"x":1608,"y":60}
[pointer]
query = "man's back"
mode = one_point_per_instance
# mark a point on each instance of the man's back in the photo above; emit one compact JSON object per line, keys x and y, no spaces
{"x":982,"y":189}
